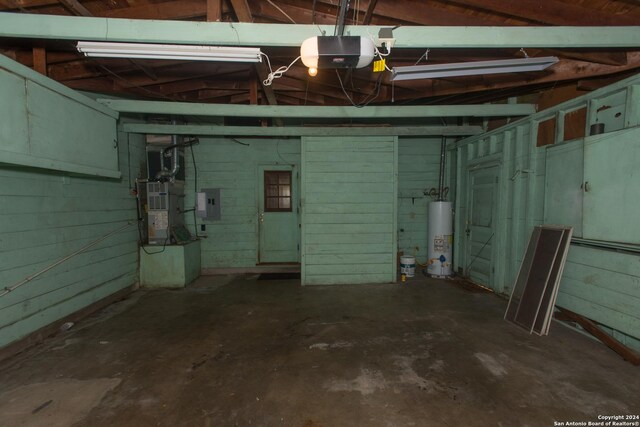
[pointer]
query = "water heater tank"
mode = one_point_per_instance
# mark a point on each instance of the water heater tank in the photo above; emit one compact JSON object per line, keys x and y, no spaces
{"x":440,"y":239}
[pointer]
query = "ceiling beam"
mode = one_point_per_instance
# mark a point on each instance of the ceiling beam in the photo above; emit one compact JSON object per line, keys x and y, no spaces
{"x":302,"y":130}
{"x":23,"y":25}
{"x":159,"y":107}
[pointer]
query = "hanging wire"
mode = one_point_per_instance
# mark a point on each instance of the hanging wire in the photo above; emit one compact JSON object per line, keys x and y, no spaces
{"x":277,"y":73}
{"x":425,"y":55}
{"x":367,"y":99}
{"x":524,"y":52}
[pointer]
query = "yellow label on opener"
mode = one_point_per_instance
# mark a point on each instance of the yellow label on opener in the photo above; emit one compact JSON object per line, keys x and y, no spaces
{"x":379,"y":65}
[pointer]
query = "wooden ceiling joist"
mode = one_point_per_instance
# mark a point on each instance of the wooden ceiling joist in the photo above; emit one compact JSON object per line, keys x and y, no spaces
{"x":603,"y":50}
{"x":76,"y":7}
{"x":180,"y":9}
{"x":551,"y":12}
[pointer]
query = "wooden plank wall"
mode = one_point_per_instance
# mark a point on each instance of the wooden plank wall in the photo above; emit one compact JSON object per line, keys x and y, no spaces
{"x":600,"y":284}
{"x":46,"y":215}
{"x":349,"y":204}
{"x":232,"y":242}
{"x":418,"y":164}
{"x":48,"y":125}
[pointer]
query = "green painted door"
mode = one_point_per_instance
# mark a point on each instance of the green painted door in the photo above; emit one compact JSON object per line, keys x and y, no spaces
{"x":278,"y":209}
{"x":481,"y":225}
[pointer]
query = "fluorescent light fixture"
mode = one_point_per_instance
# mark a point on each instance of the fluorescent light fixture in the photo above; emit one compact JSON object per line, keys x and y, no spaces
{"x":170,"y":51}
{"x":472,"y":68}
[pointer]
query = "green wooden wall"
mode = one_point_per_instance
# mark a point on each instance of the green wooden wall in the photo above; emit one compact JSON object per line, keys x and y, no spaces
{"x":223,"y":163}
{"x":232,"y":166}
{"x":46,"y":215}
{"x":349,"y":208}
{"x":418,"y":165}
{"x":47,"y":125}
{"x":543,"y":184}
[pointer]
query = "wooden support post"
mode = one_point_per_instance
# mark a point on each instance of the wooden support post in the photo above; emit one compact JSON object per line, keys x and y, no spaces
{"x":590,"y":326}
{"x":214,"y":10}
{"x":40,"y":60}
{"x":253,"y":88}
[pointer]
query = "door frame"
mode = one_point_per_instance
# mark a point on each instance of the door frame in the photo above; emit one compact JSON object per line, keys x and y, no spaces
{"x":295,"y":189}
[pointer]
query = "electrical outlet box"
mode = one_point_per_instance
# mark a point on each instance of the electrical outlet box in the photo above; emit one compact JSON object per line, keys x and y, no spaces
{"x":385,"y":36}
{"x":208,"y":204}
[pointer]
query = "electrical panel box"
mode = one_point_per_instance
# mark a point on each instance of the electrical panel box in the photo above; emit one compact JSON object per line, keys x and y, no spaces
{"x":208,"y":204}
{"x":165,"y":207}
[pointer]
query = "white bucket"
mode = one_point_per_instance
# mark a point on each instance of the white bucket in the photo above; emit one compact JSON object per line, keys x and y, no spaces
{"x":408,"y":265}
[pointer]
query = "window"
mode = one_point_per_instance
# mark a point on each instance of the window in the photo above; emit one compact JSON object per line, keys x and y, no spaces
{"x":277,"y":191}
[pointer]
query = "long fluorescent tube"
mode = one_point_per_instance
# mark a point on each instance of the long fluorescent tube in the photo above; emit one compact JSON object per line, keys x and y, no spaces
{"x":472,"y":68}
{"x":170,"y":51}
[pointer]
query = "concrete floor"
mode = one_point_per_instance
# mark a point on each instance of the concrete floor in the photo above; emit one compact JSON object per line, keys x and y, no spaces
{"x":233,"y":351}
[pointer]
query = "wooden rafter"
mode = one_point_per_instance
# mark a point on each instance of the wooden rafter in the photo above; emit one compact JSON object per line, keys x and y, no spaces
{"x":551,"y":12}
{"x":564,"y":71}
{"x":186,"y":9}
{"x":415,"y":11}
{"x":40,"y":60}
{"x":76,"y":7}
{"x":243,"y":13}
{"x":368,"y":15}
{"x":214,"y":10}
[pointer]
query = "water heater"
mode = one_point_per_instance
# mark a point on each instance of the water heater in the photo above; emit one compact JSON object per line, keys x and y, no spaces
{"x":440,"y":239}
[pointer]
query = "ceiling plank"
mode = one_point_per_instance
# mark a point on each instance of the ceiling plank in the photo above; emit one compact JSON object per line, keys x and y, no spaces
{"x":300,"y":15}
{"x":217,"y":93}
{"x":551,"y":12}
{"x":100,"y":84}
{"x":186,"y":9}
{"x":415,"y":11}
{"x":609,"y":58}
{"x":199,"y":84}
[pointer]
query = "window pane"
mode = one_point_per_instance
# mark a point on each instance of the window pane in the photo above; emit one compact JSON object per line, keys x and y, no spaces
{"x":285,"y":203}
{"x":272,"y":203}
{"x":270,"y":177}
{"x":284,"y":177}
{"x":272,"y":191}
{"x":285,"y":190}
